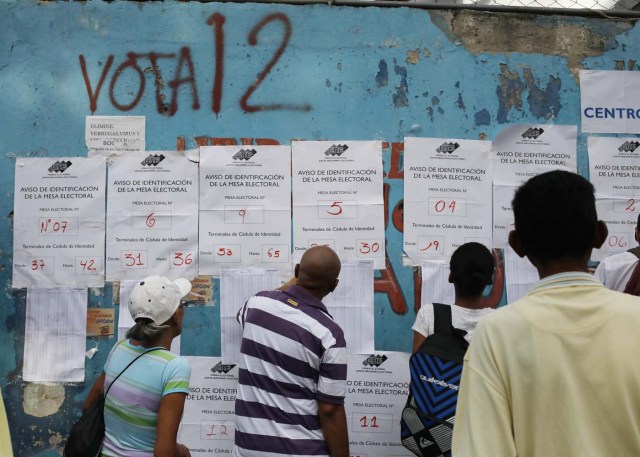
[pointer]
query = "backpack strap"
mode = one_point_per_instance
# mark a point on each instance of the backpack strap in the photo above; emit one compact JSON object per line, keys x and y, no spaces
{"x":442,"y":320}
{"x":125,"y":368}
{"x":441,"y":317}
{"x":635,"y":251}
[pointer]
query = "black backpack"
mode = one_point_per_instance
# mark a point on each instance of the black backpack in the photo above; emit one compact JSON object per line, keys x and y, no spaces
{"x":426,"y":426}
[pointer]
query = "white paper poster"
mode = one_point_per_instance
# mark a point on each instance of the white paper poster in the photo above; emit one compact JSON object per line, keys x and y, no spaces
{"x":245,"y":207}
{"x":447,"y":196}
{"x":351,"y":305}
{"x":377,"y":390}
{"x":520,"y":275}
{"x":208,"y":422}
{"x":236,"y":287}
{"x":338,"y":199}
{"x":58,"y":228}
{"x":55,"y":334}
{"x":614,"y":170}
{"x":152,"y":216}
{"x":109,"y":136}
{"x":520,"y":152}
{"x":610,"y":101}
{"x":436,"y":287}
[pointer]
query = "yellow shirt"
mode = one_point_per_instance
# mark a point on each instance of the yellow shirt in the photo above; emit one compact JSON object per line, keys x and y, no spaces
{"x":5,"y":438}
{"x":555,"y":374}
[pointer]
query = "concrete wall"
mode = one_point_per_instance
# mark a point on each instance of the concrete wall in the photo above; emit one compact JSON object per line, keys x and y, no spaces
{"x":249,"y":72}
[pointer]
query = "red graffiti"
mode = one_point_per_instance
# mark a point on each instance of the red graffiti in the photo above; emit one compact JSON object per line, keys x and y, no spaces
{"x":132,"y":61}
{"x":217,"y":20}
{"x":184,"y":59}
{"x":185,"y":75}
{"x":387,"y":283}
{"x":492,"y":300}
{"x":397,"y":149}
{"x":253,"y":40}
{"x":93,"y":96}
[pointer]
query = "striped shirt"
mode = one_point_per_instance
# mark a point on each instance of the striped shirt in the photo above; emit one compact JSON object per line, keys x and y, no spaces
{"x":292,"y":355}
{"x":131,"y":407}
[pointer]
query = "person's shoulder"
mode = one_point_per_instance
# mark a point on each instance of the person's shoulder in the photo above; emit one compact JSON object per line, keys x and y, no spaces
{"x":267,"y":296}
{"x":615,"y":297}
{"x":179,"y":363}
{"x":426,"y":310}
{"x":619,"y":257}
{"x":271,"y":294}
{"x":502,"y":316}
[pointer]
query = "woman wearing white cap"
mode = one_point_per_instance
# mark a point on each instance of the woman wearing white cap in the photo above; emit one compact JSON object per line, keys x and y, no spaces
{"x":144,"y":407}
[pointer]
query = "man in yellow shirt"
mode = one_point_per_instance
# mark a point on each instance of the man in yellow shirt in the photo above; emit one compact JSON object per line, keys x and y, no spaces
{"x":5,"y":438}
{"x":554,"y":374}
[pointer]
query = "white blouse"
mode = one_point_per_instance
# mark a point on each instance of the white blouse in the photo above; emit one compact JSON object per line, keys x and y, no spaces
{"x":462,"y":318}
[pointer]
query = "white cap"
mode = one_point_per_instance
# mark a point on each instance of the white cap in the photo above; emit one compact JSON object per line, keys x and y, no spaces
{"x":157,"y":298}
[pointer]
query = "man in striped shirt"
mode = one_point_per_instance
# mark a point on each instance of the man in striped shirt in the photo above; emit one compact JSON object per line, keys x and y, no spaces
{"x":293,"y":369}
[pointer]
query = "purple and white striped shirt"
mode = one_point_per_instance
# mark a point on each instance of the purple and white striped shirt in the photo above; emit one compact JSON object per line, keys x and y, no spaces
{"x":293,"y":355}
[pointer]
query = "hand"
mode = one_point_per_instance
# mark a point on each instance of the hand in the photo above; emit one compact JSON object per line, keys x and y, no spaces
{"x":183,"y":451}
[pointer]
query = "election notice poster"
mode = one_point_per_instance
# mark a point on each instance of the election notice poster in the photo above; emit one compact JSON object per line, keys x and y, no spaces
{"x":610,"y":101}
{"x":245,"y":208}
{"x":109,"y":136}
{"x":377,"y":390}
{"x":447,"y":196}
{"x":58,"y":228}
{"x":520,"y":152}
{"x":614,"y":170}
{"x":152,"y":216}
{"x":338,"y":199}
{"x":208,"y":426}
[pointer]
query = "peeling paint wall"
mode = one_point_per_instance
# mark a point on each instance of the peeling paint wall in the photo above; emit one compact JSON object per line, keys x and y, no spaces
{"x":267,"y":73}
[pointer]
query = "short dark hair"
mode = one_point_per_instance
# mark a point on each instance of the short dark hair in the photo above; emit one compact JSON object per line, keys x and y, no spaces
{"x":555,"y":216}
{"x":638,"y":223}
{"x":471,"y":269}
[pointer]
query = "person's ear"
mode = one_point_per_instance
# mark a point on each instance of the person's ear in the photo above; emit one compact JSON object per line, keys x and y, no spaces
{"x":637,"y":235}
{"x":450,"y":278}
{"x":516,"y":244}
{"x":296,"y":269}
{"x":335,"y":284}
{"x":601,"y":234}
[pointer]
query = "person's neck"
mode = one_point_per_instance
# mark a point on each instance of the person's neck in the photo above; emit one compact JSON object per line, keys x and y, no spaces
{"x":163,"y":341}
{"x":469,"y":302}
{"x":316,"y":293}
{"x":555,"y":267}
{"x":319,"y":294}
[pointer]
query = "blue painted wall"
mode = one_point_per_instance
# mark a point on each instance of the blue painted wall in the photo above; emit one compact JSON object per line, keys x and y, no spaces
{"x":341,"y":73}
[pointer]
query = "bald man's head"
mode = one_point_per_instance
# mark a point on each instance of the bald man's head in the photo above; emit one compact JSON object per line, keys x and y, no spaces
{"x":318,"y":270}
